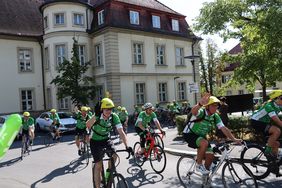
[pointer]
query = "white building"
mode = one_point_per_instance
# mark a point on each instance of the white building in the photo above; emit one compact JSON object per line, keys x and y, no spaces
{"x":136,"y":49}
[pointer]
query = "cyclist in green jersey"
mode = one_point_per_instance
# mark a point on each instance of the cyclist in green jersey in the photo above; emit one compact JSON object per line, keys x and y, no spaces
{"x":123,"y":116}
{"x":204,"y":118}
{"x":28,"y":126}
{"x":55,"y":124}
{"x":143,"y":121}
{"x":101,"y":125}
{"x":82,"y":117}
{"x":265,"y":121}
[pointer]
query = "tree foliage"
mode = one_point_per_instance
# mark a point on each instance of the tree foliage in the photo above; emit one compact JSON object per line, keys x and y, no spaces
{"x":72,"y":81}
{"x":257,"y":23}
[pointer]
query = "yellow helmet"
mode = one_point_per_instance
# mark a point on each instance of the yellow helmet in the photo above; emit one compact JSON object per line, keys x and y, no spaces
{"x":53,"y":110}
{"x":119,"y":108}
{"x":27,"y":114}
{"x":84,"y":108}
{"x":212,"y":100}
{"x":107,"y":103}
{"x":274,"y":94}
{"x":123,"y":109}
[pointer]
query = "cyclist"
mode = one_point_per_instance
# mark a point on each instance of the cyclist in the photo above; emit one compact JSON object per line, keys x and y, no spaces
{"x":28,"y":126}
{"x":82,"y":117}
{"x":265,"y":121}
{"x":142,"y":124}
{"x":55,"y":124}
{"x":204,"y":118}
{"x":123,"y":116}
{"x":101,"y":125}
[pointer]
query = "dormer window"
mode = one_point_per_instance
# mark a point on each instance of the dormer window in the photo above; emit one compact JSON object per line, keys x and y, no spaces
{"x":156,"y":20}
{"x":78,"y":19}
{"x":101,"y":17}
{"x":175,"y":25}
{"x":134,"y":17}
{"x":59,"y":18}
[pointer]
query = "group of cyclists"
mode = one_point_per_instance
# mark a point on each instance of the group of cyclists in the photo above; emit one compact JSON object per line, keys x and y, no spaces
{"x":204,"y":117}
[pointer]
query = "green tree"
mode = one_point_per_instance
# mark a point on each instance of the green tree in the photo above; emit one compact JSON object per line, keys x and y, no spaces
{"x":72,"y":80}
{"x":257,"y":23}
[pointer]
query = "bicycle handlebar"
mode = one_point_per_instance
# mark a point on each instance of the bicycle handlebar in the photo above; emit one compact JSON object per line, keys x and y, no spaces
{"x":129,"y":151}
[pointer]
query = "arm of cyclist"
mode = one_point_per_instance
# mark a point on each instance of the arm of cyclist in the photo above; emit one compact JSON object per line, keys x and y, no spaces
{"x":157,"y":123}
{"x":229,"y":135}
{"x":203,"y":101}
{"x":90,"y":122}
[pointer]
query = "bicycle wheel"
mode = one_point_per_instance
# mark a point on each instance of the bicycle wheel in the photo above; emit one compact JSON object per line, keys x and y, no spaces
{"x":85,"y":152}
{"x":157,"y":159}
{"x":118,"y":182}
{"x":236,"y":174}
{"x":117,"y":160}
{"x":254,"y":158}
{"x":158,"y":140}
{"x":138,"y":159}
{"x":186,"y":172}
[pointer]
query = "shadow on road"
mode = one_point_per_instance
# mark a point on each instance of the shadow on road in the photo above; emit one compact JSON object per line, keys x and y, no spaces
{"x":10,"y":162}
{"x":71,"y":168}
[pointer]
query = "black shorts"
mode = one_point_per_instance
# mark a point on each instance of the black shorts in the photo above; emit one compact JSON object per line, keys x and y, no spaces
{"x":80,"y":132}
{"x":261,"y":127}
{"x":97,"y":148}
{"x":191,"y":139}
{"x":25,"y":132}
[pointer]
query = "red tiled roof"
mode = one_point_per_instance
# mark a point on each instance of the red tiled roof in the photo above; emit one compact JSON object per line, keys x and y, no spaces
{"x":21,"y":17}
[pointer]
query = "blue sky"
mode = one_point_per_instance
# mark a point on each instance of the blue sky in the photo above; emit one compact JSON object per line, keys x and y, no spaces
{"x":191,"y":9}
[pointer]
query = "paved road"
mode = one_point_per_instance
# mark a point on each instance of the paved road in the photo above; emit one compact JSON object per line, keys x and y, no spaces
{"x":60,"y":166}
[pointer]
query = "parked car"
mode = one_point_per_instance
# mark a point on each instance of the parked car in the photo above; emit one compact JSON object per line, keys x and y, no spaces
{"x":68,"y":123}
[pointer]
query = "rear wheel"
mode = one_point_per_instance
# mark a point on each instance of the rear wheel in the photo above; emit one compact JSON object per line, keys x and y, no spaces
{"x":254,"y":158}
{"x":158,"y":159}
{"x":138,"y":157}
{"x":186,"y":172}
{"x":119,"y":182}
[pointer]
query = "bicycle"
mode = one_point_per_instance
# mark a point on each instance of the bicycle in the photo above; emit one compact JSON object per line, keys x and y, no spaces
{"x":153,"y":152}
{"x":260,"y":163}
{"x":115,"y":179}
{"x":232,"y":170}
{"x":26,"y":147}
{"x":84,"y":148}
{"x":158,"y":137}
{"x":50,"y":136}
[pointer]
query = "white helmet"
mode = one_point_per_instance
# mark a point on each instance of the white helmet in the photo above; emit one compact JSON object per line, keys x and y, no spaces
{"x":147,"y":106}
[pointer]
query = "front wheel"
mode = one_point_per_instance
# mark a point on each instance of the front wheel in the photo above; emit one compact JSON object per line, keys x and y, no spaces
{"x":159,"y":140}
{"x":157,"y":159}
{"x":236,"y":174}
{"x":118,"y":182}
{"x":254,"y":158}
{"x":186,"y":172}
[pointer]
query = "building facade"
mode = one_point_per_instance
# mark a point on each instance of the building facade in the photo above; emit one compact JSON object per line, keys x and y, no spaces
{"x":136,"y":49}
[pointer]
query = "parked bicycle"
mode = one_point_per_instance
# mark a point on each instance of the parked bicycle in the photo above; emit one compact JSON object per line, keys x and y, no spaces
{"x":153,"y":152}
{"x":26,"y":147}
{"x":234,"y":173}
{"x":260,"y":163}
{"x":115,"y":179}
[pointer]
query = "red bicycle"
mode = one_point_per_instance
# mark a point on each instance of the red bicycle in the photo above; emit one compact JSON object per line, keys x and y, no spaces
{"x":153,"y":152}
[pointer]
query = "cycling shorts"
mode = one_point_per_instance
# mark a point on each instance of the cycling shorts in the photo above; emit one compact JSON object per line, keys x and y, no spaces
{"x":80,"y":132}
{"x":261,"y":127}
{"x":192,"y":139}
{"x":97,"y":148}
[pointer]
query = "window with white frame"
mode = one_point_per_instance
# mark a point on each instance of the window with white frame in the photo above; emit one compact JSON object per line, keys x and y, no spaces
{"x":78,"y":19}
{"x":162,"y":92}
{"x":60,"y":53}
{"x":179,"y":53}
{"x":59,"y":18}
{"x":175,"y":25}
{"x":134,"y":17}
{"x":81,"y":54}
{"x":182,"y":91}
{"x":46,"y":58}
{"x":225,"y":78}
{"x":160,"y":49}
{"x":64,"y":103}
{"x":25,"y":60}
{"x":101,"y":17}
{"x":138,"y":53}
{"x":98,"y":54}
{"x":26,"y":99}
{"x":45,"y":22}
{"x":140,"y":93}
{"x":156,"y":20}
{"x":100,"y":92}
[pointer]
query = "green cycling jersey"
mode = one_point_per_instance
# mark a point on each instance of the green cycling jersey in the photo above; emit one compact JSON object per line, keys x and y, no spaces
{"x":27,"y":123}
{"x":145,"y":118}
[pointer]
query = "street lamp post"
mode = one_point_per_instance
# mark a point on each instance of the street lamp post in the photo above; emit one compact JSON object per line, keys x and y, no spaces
{"x":174,"y":79}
